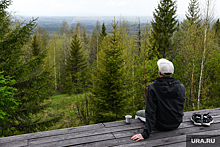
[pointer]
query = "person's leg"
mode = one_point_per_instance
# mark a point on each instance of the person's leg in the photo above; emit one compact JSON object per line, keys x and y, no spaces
{"x":141,"y":115}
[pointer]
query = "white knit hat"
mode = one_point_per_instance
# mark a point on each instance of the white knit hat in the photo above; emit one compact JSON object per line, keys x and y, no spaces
{"x":165,"y":67}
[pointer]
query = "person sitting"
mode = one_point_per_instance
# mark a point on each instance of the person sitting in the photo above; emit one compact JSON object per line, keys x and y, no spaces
{"x":164,"y":102}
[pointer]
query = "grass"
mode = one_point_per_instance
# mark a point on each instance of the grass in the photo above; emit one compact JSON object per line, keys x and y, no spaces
{"x":65,"y":106}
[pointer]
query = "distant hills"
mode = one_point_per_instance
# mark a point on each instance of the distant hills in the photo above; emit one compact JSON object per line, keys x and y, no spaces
{"x":53,"y":23}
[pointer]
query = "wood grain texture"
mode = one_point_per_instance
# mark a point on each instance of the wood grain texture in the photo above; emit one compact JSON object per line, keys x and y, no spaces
{"x":116,"y":134}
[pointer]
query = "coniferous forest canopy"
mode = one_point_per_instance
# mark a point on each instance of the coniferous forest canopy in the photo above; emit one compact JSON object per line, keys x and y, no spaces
{"x":102,"y":74}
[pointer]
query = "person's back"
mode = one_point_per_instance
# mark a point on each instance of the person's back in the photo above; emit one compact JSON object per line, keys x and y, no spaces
{"x":169,"y":94}
{"x":164,"y":103}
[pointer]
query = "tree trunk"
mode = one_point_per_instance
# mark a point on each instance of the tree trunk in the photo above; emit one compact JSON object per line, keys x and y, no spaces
{"x":193,"y":75}
{"x":133,"y":74}
{"x":55,"y":84}
{"x":203,"y":57}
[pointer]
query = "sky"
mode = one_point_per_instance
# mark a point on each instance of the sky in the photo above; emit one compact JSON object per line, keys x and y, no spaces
{"x":94,"y":7}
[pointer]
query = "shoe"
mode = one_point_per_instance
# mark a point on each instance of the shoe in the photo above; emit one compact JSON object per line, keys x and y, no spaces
{"x":207,"y":119}
{"x":141,"y":115}
{"x":141,"y":118}
{"x":197,"y":119}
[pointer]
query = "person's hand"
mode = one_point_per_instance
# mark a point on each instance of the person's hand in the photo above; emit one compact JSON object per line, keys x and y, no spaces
{"x":138,"y":137}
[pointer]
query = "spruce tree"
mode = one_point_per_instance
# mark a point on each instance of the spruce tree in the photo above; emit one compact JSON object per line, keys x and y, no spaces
{"x":32,"y":88}
{"x":109,"y":86}
{"x":76,"y":64}
{"x":193,"y":14}
{"x":164,"y":25}
{"x":103,"y":32}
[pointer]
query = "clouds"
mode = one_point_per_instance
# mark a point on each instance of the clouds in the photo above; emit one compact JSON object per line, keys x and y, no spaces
{"x":114,"y":3}
{"x":91,"y":7}
{"x":83,"y":2}
{"x":122,"y":4}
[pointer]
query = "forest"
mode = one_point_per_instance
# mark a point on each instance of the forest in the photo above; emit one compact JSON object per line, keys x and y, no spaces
{"x":103,"y":75}
{"x":53,"y":23}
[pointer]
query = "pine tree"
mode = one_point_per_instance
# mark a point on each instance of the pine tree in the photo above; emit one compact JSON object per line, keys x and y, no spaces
{"x":76,"y":63}
{"x":32,"y":88}
{"x":109,"y":86}
{"x":164,"y":25}
{"x":103,"y":32}
{"x":193,"y":14}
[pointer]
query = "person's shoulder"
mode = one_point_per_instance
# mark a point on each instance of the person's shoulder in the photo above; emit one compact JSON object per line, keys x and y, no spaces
{"x":182,"y":86}
{"x":179,"y":83}
{"x":151,"y":86}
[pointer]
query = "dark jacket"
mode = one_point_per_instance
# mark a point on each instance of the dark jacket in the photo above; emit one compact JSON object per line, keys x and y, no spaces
{"x":164,"y":105}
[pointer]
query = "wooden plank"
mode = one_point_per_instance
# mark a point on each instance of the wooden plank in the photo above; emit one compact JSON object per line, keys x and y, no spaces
{"x":124,"y":142}
{"x":168,"y":140}
{"x":190,"y":123}
{"x":51,"y":133}
{"x":121,"y":123}
{"x":188,"y":116}
{"x":150,"y":143}
{"x":124,"y":139}
{"x":98,"y":129}
{"x":14,"y":143}
{"x":85,"y":133}
{"x":69,"y":142}
{"x":128,"y":132}
{"x":180,"y":144}
{"x":112,"y":142}
{"x":177,"y":132}
{"x":189,"y":113}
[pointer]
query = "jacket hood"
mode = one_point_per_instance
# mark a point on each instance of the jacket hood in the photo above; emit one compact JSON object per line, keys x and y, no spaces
{"x":165,"y":86}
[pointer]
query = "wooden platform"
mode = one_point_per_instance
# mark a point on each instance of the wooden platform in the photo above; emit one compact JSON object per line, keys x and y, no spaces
{"x":116,"y":134}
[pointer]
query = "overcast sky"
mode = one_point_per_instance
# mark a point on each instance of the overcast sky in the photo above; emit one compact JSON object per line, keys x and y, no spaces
{"x":94,"y":7}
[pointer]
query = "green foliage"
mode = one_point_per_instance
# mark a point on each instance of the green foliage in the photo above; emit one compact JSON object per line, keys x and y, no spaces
{"x":103,"y":32}
{"x":84,"y":107}
{"x":145,"y":74}
{"x":188,"y":58}
{"x":69,"y":85}
{"x":35,"y":46}
{"x":153,"y":49}
{"x":109,"y":87}
{"x":94,"y":43}
{"x":122,"y":65}
{"x":164,"y":25}
{"x":193,"y":15}
{"x":7,"y":102}
{"x":31,"y":81}
{"x":212,"y":91}
{"x":76,"y":64}
{"x":216,"y":31}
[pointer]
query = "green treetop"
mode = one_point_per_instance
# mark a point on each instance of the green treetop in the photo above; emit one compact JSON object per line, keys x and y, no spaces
{"x":76,"y":63}
{"x":109,"y":86}
{"x":164,"y":25}
{"x":193,"y":12}
{"x":103,"y":32}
